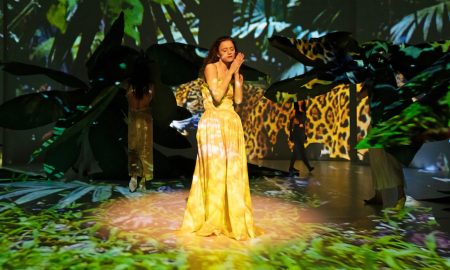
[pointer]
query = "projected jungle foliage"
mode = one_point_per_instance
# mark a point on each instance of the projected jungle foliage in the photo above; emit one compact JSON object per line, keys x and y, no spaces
{"x":78,"y":225}
{"x":66,"y":32}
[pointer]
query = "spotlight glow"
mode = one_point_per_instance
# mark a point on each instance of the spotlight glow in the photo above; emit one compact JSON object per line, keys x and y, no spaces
{"x":157,"y":216}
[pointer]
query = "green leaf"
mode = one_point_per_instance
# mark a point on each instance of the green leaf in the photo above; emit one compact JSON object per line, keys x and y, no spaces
{"x":102,"y":193}
{"x":56,"y":15}
{"x":165,"y":2}
{"x":430,"y":242}
{"x":23,"y":69}
{"x":43,"y":49}
{"x":133,"y":15}
{"x":36,"y":195}
{"x":20,"y":192}
{"x":66,"y":142}
{"x":111,"y":40}
{"x":37,"y":109}
{"x":74,"y":195}
{"x":38,"y":184}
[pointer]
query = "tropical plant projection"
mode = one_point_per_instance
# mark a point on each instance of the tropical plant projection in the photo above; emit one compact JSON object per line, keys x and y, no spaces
{"x":338,"y":59}
{"x":81,"y":113}
{"x":64,"y":39}
{"x":92,"y":114}
{"x":421,"y":19}
{"x":78,"y":214}
{"x":118,"y":233}
{"x":60,"y":41}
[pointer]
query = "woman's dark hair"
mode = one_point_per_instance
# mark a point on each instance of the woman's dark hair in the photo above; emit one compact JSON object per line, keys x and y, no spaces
{"x":141,"y":77}
{"x":214,"y":51}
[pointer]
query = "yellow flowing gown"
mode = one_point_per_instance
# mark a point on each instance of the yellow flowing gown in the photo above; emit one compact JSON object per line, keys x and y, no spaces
{"x":219,"y":201}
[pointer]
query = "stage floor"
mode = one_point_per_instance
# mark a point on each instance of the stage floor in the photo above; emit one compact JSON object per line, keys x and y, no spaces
{"x":293,"y":213}
{"x":342,"y":187}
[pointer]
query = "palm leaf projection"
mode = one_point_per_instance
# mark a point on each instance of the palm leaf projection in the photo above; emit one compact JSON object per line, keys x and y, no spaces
{"x":338,"y":59}
{"x":32,"y":190}
{"x":261,"y":18}
{"x":147,"y":24}
{"x":424,"y":117}
{"x":189,"y":59}
{"x":258,"y":20}
{"x":158,"y":21}
{"x":96,"y":109}
{"x":429,"y":18}
{"x":90,"y":128}
{"x":79,"y":27}
{"x":25,"y":192}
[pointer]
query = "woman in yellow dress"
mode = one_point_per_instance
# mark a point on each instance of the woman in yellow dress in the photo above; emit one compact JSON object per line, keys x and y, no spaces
{"x":140,"y":126}
{"x":219,"y":201}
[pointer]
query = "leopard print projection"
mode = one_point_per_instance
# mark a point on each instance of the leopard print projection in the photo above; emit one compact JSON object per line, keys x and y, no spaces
{"x":328,"y":125}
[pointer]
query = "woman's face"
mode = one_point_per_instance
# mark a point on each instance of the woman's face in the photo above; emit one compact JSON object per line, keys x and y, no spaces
{"x":227,"y":51}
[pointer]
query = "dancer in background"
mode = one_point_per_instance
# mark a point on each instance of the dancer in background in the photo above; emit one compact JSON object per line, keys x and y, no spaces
{"x":140,"y":125}
{"x":219,"y":201}
{"x":297,"y":136}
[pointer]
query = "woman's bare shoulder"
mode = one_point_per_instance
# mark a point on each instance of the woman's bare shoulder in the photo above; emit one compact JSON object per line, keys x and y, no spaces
{"x":211,"y":67}
{"x":210,"y":71}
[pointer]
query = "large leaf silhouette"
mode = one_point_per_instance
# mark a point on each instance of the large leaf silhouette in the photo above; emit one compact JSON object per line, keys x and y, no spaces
{"x":112,"y":40}
{"x":65,"y":143}
{"x":171,"y":138}
{"x":180,"y":63}
{"x":30,"y":191}
{"x":414,"y":120}
{"x":38,"y":109}
{"x":410,"y":59}
{"x":308,"y":85}
{"x":90,"y":135}
{"x":427,"y":87}
{"x":331,"y":57}
{"x":113,"y":66}
{"x":22,"y":69}
{"x":329,"y":50}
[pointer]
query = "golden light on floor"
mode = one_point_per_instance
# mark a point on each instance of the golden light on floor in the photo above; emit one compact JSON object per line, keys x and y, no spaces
{"x":156,"y":217}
